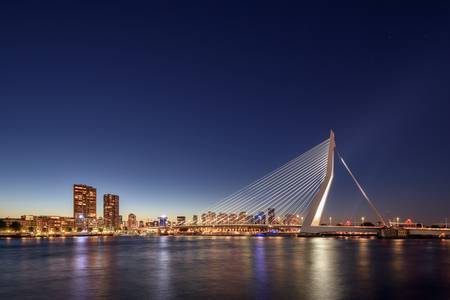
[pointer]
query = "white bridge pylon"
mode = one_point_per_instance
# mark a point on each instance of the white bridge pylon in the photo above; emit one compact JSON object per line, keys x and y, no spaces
{"x":314,"y":215}
{"x":312,"y":220}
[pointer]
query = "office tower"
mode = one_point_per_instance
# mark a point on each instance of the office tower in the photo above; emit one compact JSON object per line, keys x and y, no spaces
{"x":271,"y":215}
{"x":84,"y":206}
{"x":132,"y":222}
{"x":260,"y":218}
{"x":111,"y":212}
{"x":194,"y":220}
{"x":163,"y":221}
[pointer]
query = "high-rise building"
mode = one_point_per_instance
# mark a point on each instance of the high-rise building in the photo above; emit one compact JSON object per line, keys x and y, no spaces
{"x":132,"y":222}
{"x":111,"y":212}
{"x":271,"y":215}
{"x":120,"y":222}
{"x":260,"y":218}
{"x":163,"y":221}
{"x":84,"y":206}
{"x":194,"y":220}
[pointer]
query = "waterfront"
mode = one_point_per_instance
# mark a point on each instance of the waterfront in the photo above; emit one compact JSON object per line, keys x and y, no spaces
{"x":223,"y":267}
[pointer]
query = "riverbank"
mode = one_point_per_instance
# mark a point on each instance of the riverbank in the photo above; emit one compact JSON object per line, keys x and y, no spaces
{"x":219,"y":234}
{"x":4,"y":235}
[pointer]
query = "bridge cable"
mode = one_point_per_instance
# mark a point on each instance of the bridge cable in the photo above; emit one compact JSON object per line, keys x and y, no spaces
{"x":361,"y":189}
{"x":287,"y":188}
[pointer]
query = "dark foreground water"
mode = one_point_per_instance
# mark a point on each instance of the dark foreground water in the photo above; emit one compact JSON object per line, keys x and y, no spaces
{"x":224,"y":268}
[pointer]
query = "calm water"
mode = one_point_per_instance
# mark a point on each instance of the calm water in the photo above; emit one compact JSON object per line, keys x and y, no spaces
{"x":220,"y":268}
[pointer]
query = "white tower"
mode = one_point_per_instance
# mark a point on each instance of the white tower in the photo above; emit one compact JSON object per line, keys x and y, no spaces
{"x":312,"y":220}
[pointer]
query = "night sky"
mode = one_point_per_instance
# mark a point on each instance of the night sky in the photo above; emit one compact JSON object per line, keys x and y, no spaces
{"x":175,"y":105}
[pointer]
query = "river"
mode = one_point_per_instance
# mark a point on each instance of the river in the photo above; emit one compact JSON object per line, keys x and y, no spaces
{"x":224,"y":268}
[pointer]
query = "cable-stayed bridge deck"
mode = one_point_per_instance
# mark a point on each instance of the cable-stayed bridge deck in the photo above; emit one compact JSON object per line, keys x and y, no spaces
{"x":325,"y":229}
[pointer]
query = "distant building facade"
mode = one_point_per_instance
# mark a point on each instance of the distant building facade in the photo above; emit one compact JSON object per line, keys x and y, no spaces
{"x":111,"y":216}
{"x":54,"y":224}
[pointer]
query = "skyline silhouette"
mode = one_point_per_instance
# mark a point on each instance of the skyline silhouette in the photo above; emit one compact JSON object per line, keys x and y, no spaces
{"x":174,"y":107}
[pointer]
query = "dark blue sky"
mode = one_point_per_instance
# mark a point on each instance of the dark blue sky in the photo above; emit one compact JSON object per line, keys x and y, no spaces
{"x":174,"y":105}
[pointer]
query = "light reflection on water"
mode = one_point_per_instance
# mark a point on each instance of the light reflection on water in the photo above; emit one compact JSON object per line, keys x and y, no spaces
{"x":163,"y":269}
{"x":223,"y":268}
{"x":260,"y":270}
{"x":324,"y":266}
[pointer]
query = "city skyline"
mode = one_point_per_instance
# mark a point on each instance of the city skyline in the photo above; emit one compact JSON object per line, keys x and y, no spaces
{"x":173,"y":131}
{"x":297,"y":191}
{"x":175,"y":213}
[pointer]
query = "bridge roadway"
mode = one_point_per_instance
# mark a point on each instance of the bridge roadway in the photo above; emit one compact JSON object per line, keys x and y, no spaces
{"x":230,"y":228}
{"x":264,"y":228}
{"x":246,"y":229}
{"x":343,"y":230}
{"x":424,"y":232}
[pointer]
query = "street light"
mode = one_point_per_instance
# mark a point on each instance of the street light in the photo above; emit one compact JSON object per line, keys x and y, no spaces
{"x":362,"y":221}
{"x":330,"y":221}
{"x":398,"y":220}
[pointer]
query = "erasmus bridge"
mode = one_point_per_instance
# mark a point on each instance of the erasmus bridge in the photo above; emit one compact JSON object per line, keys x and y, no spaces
{"x":290,"y":198}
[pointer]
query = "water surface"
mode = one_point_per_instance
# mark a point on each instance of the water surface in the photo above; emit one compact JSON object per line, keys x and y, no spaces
{"x":223,"y":268}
